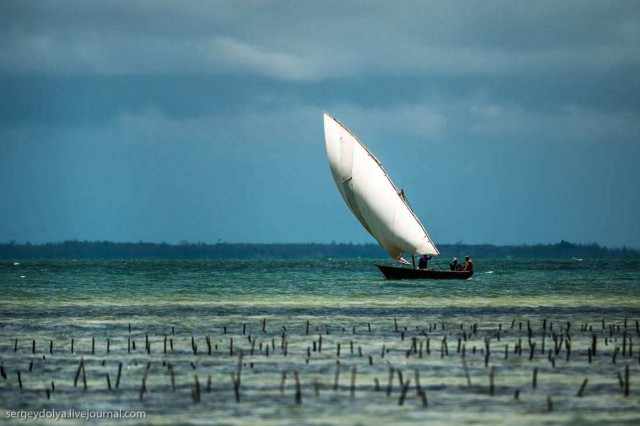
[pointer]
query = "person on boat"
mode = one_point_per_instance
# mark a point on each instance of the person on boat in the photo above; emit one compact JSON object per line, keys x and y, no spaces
{"x":469,"y":265}
{"x":454,"y":264}
{"x":424,"y":261}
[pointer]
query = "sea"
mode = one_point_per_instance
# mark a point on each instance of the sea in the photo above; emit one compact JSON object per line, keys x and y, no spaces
{"x":318,"y":342}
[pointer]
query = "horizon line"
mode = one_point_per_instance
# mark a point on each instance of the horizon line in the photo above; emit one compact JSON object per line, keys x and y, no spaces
{"x":220,"y":242}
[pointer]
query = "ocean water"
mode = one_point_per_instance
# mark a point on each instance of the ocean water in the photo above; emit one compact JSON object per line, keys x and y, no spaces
{"x":222,"y":342}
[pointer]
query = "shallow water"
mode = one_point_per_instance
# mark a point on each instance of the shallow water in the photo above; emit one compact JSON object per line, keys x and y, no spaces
{"x":260,"y":304}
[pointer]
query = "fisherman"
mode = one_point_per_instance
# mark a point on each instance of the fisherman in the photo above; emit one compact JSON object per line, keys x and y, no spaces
{"x":469,"y":265}
{"x":424,"y":261}
{"x":454,"y":264}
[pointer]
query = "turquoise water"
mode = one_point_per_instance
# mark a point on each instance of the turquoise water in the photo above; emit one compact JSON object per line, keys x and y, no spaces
{"x":287,"y":306}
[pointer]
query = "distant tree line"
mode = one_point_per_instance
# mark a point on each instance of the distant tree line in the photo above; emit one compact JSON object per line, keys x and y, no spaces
{"x":141,"y":250}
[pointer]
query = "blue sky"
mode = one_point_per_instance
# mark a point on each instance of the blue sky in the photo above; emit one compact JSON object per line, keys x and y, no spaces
{"x":505,"y":122}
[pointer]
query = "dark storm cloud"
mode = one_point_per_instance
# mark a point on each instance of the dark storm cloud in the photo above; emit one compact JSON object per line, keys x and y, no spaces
{"x":534,"y":54}
{"x":527,"y":100}
{"x":310,"y":40}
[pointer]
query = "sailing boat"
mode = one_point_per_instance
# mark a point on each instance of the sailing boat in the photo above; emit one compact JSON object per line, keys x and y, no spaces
{"x":380,"y":207}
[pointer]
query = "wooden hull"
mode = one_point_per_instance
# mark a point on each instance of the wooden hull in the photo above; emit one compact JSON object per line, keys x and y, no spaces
{"x":403,"y":273}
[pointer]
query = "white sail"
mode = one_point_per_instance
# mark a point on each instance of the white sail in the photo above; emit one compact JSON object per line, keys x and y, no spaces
{"x":371,"y":196}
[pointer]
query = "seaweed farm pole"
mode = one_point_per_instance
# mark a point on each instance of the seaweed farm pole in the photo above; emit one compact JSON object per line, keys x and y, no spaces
{"x":239,"y":374}
{"x":582,"y":388}
{"x":353,"y":380}
{"x":491,"y":380}
{"x":403,"y":395}
{"x":119,"y":374}
{"x":75,"y":380}
{"x":389,"y":386}
{"x":626,"y":380}
{"x":236,"y":387}
{"x":195,"y":390}
{"x":143,"y":388}
{"x":298,"y":388}
{"x":466,"y":371}
{"x":282,"y":382}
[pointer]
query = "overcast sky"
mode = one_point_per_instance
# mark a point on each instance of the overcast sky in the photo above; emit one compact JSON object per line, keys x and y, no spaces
{"x":505,"y":122}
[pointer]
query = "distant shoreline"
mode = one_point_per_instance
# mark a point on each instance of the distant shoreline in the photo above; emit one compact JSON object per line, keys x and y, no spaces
{"x":141,"y":250}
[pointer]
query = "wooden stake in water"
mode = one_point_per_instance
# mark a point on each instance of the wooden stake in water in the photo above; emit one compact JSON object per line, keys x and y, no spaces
{"x":390,"y":385}
{"x":298,"y":388}
{"x":403,"y":395}
{"x":236,"y":387}
{"x":84,"y":376}
{"x":353,"y":380}
{"x":75,"y":380}
{"x":119,"y":374}
{"x":423,"y":396}
{"x":196,"y":389}
{"x":582,"y":388}
{"x":626,"y":380}
{"x":400,"y":378}
{"x":282,"y":382}
{"x":466,"y":372}
{"x":143,"y":388}
{"x":491,"y":380}
{"x":417,"y":377}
